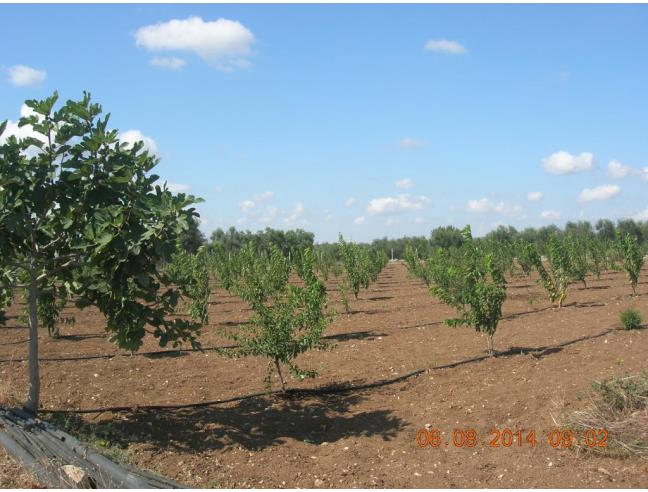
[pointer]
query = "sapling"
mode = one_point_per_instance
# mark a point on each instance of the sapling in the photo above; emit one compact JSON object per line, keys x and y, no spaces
{"x":632,"y":258}
{"x":526,"y":256}
{"x":416,"y":266}
{"x":362,"y":265}
{"x":576,"y":251}
{"x":556,"y":278}
{"x":474,"y":286}
{"x":288,"y":319}
{"x":190,"y":273}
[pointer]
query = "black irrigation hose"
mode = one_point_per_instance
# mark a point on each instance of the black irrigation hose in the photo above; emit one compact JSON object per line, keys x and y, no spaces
{"x":111,"y":356}
{"x":15,"y":343}
{"x":340,"y":388}
{"x":333,"y":389}
{"x":161,"y":352}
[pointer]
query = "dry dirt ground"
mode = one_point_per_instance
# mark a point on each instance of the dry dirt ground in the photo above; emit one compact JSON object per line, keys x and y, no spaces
{"x":365,"y":438}
{"x":12,"y":475}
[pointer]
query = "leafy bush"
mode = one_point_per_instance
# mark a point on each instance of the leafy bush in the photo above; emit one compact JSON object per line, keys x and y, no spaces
{"x":630,"y":319}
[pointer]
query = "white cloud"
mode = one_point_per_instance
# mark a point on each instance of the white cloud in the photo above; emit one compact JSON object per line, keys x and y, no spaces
{"x":296,"y":214}
{"x":562,"y":162}
{"x":22,"y":132}
{"x":445,"y":46}
{"x":22,"y":76}
{"x":603,"y":192}
{"x":247,"y":205}
{"x":178,"y":187}
{"x":129,"y":137}
{"x":218,"y":189}
{"x":351,"y":201}
{"x":534,"y":196}
{"x":419,"y":220}
{"x":269,"y":214}
{"x":550,"y":215}
{"x":404,"y":184}
{"x":168,"y":62}
{"x":225,"y":44}
{"x":359,"y":220}
{"x":264,"y":196}
{"x":411,"y":143}
{"x":328,"y":216}
{"x":643,"y":173}
{"x":395,"y":204}
{"x":484,"y":205}
{"x":617,"y":170}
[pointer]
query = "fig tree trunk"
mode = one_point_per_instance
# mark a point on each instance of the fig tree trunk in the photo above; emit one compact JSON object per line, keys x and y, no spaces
{"x":34,"y":379}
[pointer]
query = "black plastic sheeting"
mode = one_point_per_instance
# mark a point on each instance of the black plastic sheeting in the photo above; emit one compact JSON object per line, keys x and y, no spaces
{"x":43,"y":450}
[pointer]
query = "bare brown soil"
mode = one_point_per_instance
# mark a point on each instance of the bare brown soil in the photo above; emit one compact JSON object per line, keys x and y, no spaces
{"x":365,"y":438}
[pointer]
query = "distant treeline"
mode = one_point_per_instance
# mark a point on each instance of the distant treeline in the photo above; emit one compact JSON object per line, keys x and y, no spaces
{"x":444,"y":237}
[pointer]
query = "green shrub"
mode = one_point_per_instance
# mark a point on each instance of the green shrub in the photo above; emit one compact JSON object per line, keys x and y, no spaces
{"x":630,"y":319}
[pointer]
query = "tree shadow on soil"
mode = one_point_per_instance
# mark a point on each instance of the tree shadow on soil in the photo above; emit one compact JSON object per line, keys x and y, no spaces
{"x":81,"y":336}
{"x":356,"y":335}
{"x":539,"y":352}
{"x":379,"y":298}
{"x":581,"y":305}
{"x":523,"y":313}
{"x":258,"y":423}
{"x":366,"y":311}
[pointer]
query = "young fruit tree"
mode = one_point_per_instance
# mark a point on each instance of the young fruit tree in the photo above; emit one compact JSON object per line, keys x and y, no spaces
{"x":288,"y":319}
{"x":472,"y":283}
{"x":356,"y":274}
{"x":555,"y":278}
{"x":362,"y":266}
{"x":190,"y":273}
{"x":579,"y":263}
{"x":632,"y":257}
{"x":79,"y":211}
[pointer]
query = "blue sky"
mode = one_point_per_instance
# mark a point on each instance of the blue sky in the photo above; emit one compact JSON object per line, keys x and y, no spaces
{"x":369,"y":120}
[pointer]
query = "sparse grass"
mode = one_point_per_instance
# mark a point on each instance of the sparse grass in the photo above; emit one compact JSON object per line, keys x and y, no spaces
{"x":103,"y":437}
{"x":619,"y":405}
{"x":13,"y":475}
{"x":630,"y":319}
{"x":9,"y":394}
